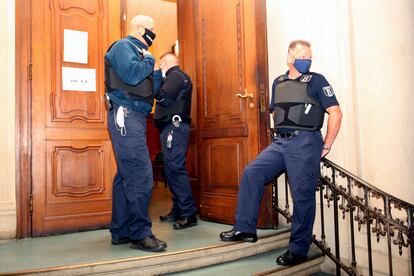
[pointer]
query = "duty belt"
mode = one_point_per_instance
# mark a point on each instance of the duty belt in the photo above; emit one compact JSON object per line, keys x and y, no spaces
{"x":287,"y":134}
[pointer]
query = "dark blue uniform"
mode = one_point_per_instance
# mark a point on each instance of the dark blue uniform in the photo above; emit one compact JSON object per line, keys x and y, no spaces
{"x":300,"y":157}
{"x":133,"y":182}
{"x":177,"y":87}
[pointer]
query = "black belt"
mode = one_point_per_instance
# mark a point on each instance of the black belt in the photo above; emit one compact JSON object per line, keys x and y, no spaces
{"x":287,"y":134}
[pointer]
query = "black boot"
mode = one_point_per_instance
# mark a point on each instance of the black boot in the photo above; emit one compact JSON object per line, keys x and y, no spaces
{"x":233,"y":235}
{"x":169,"y":217}
{"x":186,"y":222}
{"x":290,"y":258}
{"x":149,"y":243}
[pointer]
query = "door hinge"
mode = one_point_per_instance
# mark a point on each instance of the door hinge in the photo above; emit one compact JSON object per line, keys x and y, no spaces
{"x":31,"y":204}
{"x":29,"y":71}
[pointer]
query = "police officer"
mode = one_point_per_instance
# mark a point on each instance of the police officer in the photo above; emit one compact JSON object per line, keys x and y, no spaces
{"x":131,"y":83}
{"x":299,"y":100}
{"x":172,"y":118}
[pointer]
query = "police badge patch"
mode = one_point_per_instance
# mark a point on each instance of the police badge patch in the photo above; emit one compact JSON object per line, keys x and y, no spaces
{"x":328,"y":91}
{"x":306,"y":78}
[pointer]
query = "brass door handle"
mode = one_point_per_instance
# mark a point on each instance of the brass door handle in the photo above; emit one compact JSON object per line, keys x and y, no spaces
{"x":245,"y":95}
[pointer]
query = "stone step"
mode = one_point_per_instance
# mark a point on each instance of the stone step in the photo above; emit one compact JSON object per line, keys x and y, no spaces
{"x":164,"y":263}
{"x":311,"y":266}
{"x":261,"y":264}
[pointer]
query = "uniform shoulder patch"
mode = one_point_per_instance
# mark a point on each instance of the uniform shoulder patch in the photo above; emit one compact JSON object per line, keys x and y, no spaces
{"x":306,"y":78}
{"x":328,"y":91}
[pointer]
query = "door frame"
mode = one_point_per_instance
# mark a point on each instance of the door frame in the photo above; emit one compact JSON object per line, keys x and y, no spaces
{"x":23,"y":135}
{"x":23,"y":117}
{"x":264,"y":115}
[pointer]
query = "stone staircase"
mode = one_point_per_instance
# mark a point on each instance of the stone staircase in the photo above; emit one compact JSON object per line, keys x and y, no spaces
{"x":193,"y":261}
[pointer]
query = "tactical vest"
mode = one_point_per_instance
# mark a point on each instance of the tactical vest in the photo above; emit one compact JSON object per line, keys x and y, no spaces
{"x":181,"y":105}
{"x":294,"y":107}
{"x":143,"y":91}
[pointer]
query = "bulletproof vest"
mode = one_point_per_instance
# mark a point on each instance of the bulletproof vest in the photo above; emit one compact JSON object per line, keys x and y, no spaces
{"x":143,"y":91}
{"x":181,"y":105}
{"x":294,"y":107}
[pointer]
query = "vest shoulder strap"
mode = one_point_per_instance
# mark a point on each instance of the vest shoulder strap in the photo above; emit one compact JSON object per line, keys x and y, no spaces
{"x":281,"y":78}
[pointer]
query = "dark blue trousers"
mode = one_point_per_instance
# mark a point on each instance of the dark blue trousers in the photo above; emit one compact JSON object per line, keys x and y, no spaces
{"x":175,"y":170}
{"x":133,"y":183}
{"x":300,"y":156}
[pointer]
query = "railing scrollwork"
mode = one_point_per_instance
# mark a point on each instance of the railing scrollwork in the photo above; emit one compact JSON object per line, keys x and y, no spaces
{"x":362,"y":206}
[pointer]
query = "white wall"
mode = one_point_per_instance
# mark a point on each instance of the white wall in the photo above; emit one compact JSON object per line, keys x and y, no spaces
{"x":324,"y":24}
{"x":7,"y":121}
{"x":383,"y":34}
{"x":365,"y":50}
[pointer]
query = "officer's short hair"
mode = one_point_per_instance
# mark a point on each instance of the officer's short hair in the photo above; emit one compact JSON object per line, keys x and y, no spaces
{"x":295,"y":43}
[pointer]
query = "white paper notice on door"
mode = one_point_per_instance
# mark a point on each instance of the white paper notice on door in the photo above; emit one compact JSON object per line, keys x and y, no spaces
{"x":75,"y":46}
{"x":78,"y":79}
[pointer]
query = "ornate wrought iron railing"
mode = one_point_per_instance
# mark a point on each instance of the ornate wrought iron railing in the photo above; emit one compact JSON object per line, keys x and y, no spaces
{"x":359,"y":205}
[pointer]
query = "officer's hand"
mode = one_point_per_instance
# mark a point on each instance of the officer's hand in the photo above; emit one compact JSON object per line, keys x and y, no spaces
{"x":146,"y":52}
{"x":156,"y":66}
{"x":324,"y":152}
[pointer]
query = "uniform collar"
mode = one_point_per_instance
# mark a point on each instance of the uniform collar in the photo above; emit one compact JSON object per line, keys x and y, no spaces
{"x":286,"y":76}
{"x":137,"y":42}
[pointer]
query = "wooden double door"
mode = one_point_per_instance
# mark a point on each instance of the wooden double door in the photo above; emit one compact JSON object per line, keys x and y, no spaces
{"x":222,"y":47}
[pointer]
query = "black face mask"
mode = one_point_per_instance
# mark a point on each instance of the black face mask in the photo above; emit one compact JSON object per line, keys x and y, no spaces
{"x":148,"y":36}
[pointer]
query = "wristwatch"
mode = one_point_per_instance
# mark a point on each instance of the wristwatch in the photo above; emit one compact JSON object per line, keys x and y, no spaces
{"x":325,"y":147}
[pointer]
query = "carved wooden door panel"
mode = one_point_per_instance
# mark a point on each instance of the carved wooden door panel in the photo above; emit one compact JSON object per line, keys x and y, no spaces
{"x":231,"y":61}
{"x":72,"y":159}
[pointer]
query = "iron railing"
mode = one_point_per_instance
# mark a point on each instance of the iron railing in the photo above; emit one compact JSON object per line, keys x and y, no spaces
{"x":362,"y":205}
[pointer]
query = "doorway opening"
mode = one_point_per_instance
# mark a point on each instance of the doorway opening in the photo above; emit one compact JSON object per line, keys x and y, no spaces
{"x":164,"y":13}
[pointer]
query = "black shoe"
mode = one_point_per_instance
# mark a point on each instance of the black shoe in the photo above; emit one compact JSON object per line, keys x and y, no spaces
{"x":149,"y":243}
{"x":233,"y":235}
{"x":186,"y":222}
{"x":290,"y":258}
{"x":169,"y":217}
{"x":158,"y":240}
{"x":120,"y":241}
